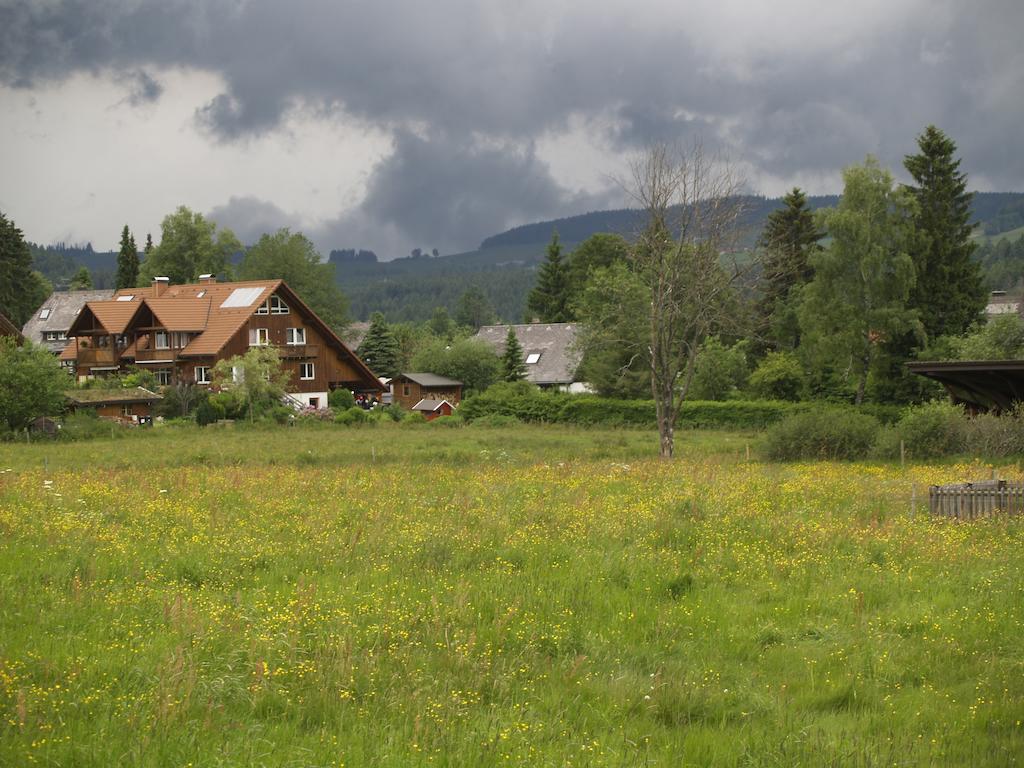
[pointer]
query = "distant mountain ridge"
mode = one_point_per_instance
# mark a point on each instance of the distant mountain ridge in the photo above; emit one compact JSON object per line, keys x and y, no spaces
{"x":504,"y":266}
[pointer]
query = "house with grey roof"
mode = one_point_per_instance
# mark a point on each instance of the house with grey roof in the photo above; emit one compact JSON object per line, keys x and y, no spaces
{"x":49,"y":325}
{"x":549,"y":352}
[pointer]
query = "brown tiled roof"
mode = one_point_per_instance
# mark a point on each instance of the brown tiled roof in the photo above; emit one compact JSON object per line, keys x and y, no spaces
{"x":114,"y":315}
{"x":182,"y":314}
{"x":70,"y":351}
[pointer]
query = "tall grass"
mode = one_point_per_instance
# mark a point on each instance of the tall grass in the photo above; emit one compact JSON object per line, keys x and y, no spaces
{"x":468,"y":598}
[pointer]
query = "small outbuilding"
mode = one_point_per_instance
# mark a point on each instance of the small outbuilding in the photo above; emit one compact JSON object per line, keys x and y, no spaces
{"x":408,"y":389}
{"x":432,"y":409}
{"x":130,"y":405}
{"x":981,"y":386}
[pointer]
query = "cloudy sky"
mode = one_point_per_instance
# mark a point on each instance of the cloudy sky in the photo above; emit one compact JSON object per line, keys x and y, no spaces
{"x":389,"y":125}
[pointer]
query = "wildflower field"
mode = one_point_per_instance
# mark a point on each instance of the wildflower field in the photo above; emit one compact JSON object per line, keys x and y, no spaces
{"x":471,"y":597}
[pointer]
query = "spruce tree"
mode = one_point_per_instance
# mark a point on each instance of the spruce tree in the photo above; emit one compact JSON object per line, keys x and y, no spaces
{"x":128,"y":261}
{"x":549,"y":299}
{"x":513,"y":367}
{"x":21,"y":289}
{"x":380,"y":349}
{"x":949,"y":293}
{"x":790,"y":238}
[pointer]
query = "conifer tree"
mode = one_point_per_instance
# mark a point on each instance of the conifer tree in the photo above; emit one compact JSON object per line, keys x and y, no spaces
{"x":127,"y":261}
{"x":790,"y":238}
{"x":380,"y":349}
{"x":949,"y":292}
{"x":22,"y":290}
{"x":513,"y":367}
{"x":149,"y":244}
{"x":549,"y":299}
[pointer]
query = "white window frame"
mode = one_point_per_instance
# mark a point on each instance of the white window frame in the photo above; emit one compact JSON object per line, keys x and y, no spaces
{"x":277,"y":306}
{"x":264,"y":308}
{"x":312,"y":371}
{"x":161,"y":374}
{"x":44,"y":314}
{"x":533,"y":358}
{"x":51,"y":336}
{"x":255,"y":334}
{"x":166,"y":339}
{"x":204,"y":377}
{"x":295,"y":336}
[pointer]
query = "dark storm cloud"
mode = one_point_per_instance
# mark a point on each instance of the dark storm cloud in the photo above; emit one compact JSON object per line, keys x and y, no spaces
{"x":249,"y":217}
{"x":466,"y":87}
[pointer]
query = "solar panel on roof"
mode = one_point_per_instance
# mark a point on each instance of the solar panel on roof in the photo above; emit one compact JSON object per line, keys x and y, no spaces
{"x":241,"y":297}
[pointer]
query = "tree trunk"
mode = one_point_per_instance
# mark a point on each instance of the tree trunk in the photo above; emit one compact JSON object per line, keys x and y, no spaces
{"x":667,"y":433}
{"x":863,"y":380}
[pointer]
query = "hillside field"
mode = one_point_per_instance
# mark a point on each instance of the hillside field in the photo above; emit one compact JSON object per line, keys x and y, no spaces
{"x":539,"y":596}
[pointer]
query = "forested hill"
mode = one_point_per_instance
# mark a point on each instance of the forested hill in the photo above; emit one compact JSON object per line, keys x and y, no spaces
{"x":504,"y":265}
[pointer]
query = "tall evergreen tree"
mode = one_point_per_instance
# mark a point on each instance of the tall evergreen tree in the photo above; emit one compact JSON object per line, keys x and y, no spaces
{"x":549,"y":299}
{"x":474,"y":309}
{"x":127,"y":261}
{"x":379,"y":348}
{"x":513,"y":366}
{"x":790,"y":239}
{"x":149,"y":245}
{"x":949,"y":292}
{"x":21,"y":289}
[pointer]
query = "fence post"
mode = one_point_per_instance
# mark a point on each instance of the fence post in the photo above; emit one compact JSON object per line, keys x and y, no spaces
{"x":903,"y":455}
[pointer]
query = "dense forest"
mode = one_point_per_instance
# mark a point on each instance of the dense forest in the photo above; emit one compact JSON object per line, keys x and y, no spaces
{"x":504,"y":266}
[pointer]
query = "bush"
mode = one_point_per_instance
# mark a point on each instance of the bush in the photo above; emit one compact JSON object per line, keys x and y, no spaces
{"x":721,"y":371}
{"x":778,"y":377}
{"x":996,"y":436}
{"x":933,"y":429}
{"x":823,"y":433}
{"x":86,"y":425}
{"x":352,"y":416}
{"x":209,"y":412}
{"x":340,"y":399}
{"x":519,"y":399}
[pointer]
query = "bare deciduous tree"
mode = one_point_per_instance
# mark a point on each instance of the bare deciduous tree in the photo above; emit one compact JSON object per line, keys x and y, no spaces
{"x":692,"y":203}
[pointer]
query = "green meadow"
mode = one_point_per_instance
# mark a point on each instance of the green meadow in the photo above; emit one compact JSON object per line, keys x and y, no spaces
{"x":542,"y":596}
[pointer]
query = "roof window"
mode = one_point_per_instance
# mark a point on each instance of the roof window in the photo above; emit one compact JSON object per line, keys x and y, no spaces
{"x":200,"y":294}
{"x":44,"y":314}
{"x":533,"y":358}
{"x":241,"y":297}
{"x":127,"y":297}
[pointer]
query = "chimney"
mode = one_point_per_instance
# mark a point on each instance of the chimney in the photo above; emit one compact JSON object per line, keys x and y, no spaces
{"x":207,"y":279}
{"x":160,"y":285}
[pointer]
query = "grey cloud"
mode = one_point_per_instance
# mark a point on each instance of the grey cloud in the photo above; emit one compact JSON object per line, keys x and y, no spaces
{"x":441,"y":192}
{"x":143,"y":88}
{"x":475,"y":75}
{"x":249,"y":217}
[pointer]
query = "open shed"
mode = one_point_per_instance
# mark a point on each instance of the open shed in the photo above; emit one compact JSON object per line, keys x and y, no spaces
{"x":981,"y":386}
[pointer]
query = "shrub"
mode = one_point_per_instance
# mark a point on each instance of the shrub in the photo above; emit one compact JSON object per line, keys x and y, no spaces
{"x":778,"y":377}
{"x":823,"y":433}
{"x":933,"y":429}
{"x":209,"y":411}
{"x":86,"y":425}
{"x":996,"y":436}
{"x":720,"y":371}
{"x":352,"y":416}
{"x":519,"y":399}
{"x":340,"y":399}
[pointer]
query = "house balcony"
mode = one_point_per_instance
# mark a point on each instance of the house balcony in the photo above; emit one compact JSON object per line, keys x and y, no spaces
{"x":298,"y":351}
{"x":156,"y":355}
{"x":93,"y":356}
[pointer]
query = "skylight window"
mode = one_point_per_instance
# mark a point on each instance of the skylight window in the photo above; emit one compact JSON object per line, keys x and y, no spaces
{"x":241,"y":297}
{"x":129,"y":297}
{"x":533,"y":358}
{"x":44,"y":314}
{"x":199,"y":296}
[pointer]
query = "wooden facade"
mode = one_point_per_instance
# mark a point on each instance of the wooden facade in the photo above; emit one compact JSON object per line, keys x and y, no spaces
{"x":133,"y":405}
{"x":407,"y":389}
{"x":180,"y":332}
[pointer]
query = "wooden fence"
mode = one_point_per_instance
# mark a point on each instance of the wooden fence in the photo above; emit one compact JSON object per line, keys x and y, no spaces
{"x":970,"y":501}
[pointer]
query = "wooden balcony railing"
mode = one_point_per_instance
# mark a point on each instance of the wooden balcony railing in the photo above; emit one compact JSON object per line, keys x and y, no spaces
{"x":155,"y":355}
{"x":298,"y":351}
{"x":98,"y":356}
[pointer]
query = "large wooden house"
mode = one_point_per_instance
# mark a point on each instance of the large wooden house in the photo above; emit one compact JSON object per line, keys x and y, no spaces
{"x":181,"y":331}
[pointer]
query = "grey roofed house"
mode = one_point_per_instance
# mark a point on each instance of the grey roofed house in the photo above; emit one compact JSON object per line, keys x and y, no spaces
{"x":548,"y":351}
{"x":49,"y":325}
